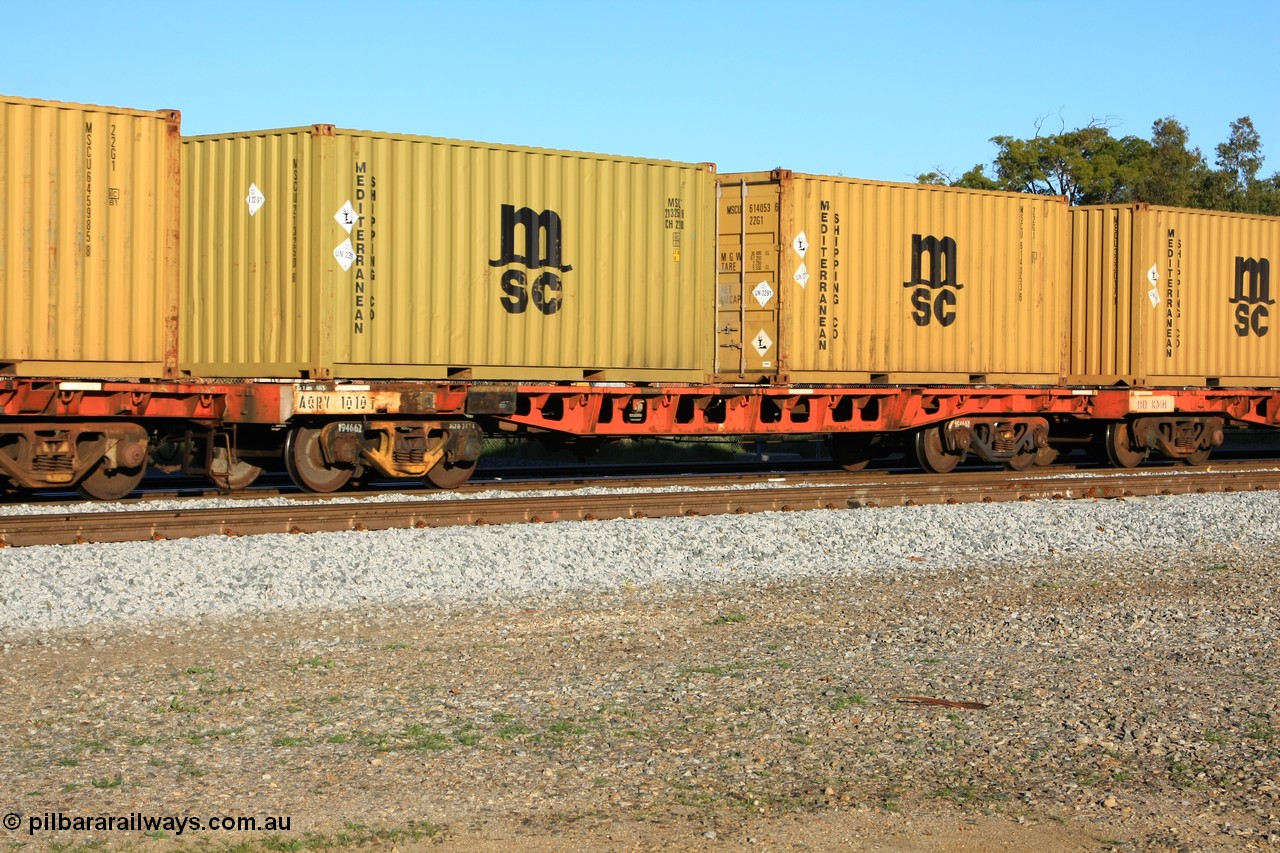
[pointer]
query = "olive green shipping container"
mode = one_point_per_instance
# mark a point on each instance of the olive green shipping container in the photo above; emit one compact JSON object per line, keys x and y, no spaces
{"x":320,"y":252}
{"x":852,"y":281}
{"x":1170,"y":296}
{"x":89,"y":217}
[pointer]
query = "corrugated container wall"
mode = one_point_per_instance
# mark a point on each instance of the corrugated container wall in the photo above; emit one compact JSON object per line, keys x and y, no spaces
{"x":89,"y":216}
{"x":893,"y":283}
{"x":1169,"y":296}
{"x":317,"y":252}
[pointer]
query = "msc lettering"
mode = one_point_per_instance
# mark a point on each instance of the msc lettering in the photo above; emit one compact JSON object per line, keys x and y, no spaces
{"x":927,"y":304}
{"x":1252,"y":296}
{"x":541,"y":251}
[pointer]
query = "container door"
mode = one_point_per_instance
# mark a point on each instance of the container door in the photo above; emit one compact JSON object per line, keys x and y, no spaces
{"x":747,"y":344}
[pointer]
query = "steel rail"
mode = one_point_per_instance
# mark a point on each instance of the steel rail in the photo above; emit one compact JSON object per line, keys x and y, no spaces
{"x":621,"y":476}
{"x":331,"y":516}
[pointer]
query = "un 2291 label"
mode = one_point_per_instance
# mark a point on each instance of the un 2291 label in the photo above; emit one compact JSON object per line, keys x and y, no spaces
{"x":332,"y":402}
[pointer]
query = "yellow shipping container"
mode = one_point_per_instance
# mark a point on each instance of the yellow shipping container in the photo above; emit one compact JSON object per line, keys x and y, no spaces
{"x":318,"y":252}
{"x":1169,"y":296}
{"x":89,"y":216}
{"x":851,"y":281}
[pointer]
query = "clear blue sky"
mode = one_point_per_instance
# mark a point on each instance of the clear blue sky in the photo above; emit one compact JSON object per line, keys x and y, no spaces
{"x":881,"y":90}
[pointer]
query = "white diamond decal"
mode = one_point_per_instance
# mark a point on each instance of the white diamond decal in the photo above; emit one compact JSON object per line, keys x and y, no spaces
{"x":255,"y":199}
{"x":347,"y":217}
{"x":1153,"y":275}
{"x":802,"y":275}
{"x":762,"y":342}
{"x":800,"y":244}
{"x":763,"y":293}
{"x":345,"y":255}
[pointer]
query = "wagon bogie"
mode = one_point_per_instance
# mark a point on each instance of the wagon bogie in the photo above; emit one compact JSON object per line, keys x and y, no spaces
{"x":1186,"y":438}
{"x":1014,"y":441}
{"x":107,"y":460}
{"x":325,"y":456}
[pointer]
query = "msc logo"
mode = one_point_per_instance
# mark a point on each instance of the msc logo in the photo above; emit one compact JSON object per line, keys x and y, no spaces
{"x":1253,"y":295}
{"x":934,"y":296}
{"x":541,"y":251}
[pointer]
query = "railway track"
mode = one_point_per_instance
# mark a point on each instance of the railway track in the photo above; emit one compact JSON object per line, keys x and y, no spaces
{"x":614,"y":475}
{"x":799,"y":492}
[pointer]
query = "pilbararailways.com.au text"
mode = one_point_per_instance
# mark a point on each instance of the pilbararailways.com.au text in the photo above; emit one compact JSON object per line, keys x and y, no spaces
{"x":139,"y":822}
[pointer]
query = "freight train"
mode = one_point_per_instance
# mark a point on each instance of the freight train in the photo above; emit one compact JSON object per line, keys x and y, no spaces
{"x":350,"y":303}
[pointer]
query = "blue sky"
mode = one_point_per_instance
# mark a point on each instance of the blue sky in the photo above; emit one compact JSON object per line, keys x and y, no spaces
{"x":877,"y":90}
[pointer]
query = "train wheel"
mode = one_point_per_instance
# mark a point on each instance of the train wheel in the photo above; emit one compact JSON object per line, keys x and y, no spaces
{"x":932,"y":452}
{"x":103,"y":484}
{"x":852,"y":451}
{"x":1022,"y":461}
{"x":450,"y":475}
{"x":232,"y":478}
{"x":304,"y":459}
{"x":1119,"y":448}
{"x":1046,"y":456}
{"x":1199,"y":457}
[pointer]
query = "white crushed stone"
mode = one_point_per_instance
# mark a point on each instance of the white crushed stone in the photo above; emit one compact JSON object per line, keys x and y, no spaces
{"x":104,"y":585}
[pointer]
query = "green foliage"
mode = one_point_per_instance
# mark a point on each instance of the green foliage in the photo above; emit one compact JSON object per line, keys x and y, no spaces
{"x":1090,"y":166}
{"x":1087,"y":165}
{"x":977,"y":179}
{"x":1172,"y":174}
{"x":1240,"y":157}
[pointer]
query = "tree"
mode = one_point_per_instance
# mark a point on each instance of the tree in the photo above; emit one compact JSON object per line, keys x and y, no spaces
{"x":974,"y":179}
{"x":977,"y":179}
{"x":1087,"y":165}
{"x":1264,"y":196}
{"x":1090,"y":166}
{"x":1236,"y":185}
{"x":1240,"y":156}
{"x":1173,"y":173}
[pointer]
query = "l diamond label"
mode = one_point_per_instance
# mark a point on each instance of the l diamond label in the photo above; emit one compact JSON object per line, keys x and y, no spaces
{"x":800,"y":244}
{"x":762,"y":342}
{"x":345,"y":255}
{"x":347,"y":217}
{"x":255,"y":199}
{"x":1153,"y":276}
{"x":763,"y":293}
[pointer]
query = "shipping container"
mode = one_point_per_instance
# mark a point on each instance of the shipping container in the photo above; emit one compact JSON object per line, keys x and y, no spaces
{"x":89,"y":217}
{"x":837,"y":280}
{"x":319,"y":252}
{"x":1173,"y":297}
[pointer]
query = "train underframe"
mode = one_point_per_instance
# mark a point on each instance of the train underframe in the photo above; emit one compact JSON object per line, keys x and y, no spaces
{"x":101,"y":438}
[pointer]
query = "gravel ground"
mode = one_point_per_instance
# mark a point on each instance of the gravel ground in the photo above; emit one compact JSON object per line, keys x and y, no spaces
{"x":692,"y":683}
